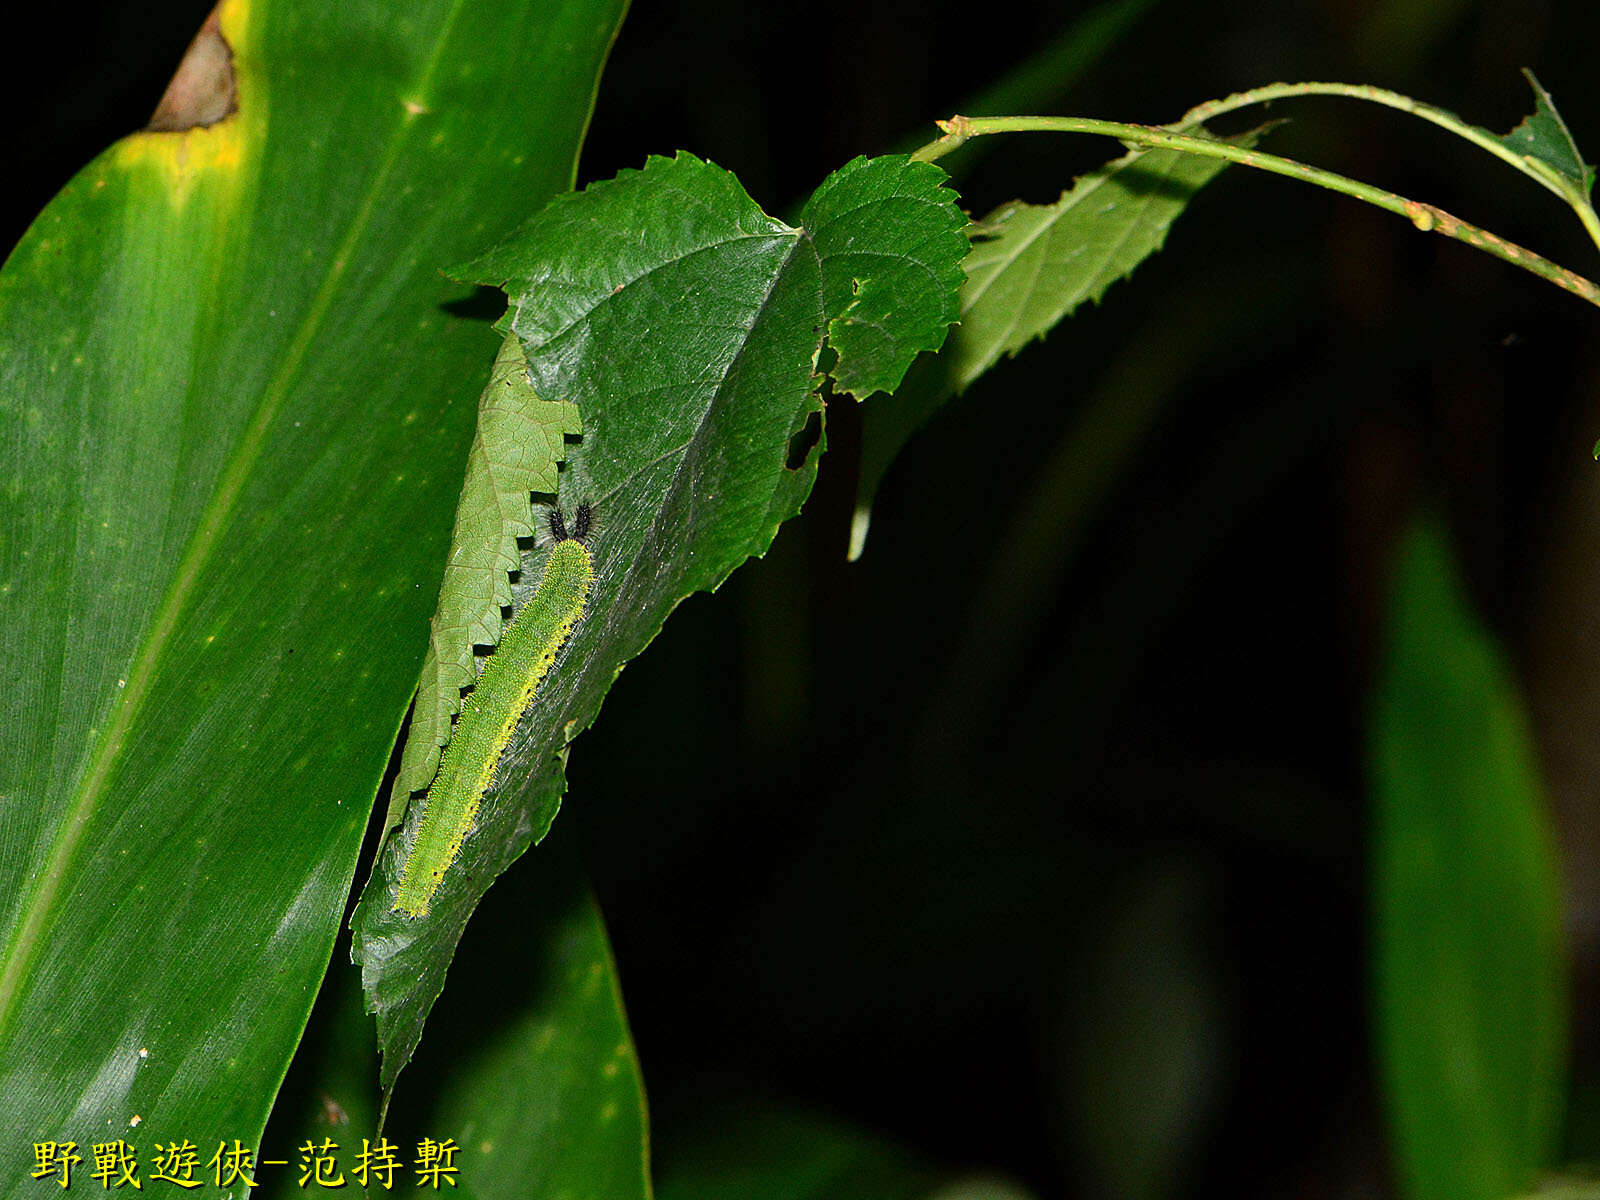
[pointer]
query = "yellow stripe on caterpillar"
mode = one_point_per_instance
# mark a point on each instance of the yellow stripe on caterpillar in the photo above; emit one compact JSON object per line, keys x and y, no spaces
{"x":492,"y":711}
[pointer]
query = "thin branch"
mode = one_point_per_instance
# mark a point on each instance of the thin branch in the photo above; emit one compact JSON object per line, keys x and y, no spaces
{"x":1426,"y":217}
{"x":1478,"y":136}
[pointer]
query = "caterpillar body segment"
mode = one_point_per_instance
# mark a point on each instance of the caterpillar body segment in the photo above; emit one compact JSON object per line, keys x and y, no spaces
{"x":491,"y":713}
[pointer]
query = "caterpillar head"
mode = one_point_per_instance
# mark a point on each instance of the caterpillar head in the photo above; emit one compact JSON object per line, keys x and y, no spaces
{"x":582,"y":524}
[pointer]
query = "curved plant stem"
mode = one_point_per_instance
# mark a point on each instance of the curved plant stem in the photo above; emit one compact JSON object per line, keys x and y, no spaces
{"x":1478,"y":136}
{"x":1375,"y":95}
{"x":1426,"y":217}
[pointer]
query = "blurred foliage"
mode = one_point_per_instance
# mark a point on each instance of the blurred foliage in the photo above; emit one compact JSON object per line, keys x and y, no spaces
{"x":1468,"y":962}
{"x":765,"y":1150}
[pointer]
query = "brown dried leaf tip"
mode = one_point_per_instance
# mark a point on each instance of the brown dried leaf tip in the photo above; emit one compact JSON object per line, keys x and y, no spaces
{"x":203,"y":90}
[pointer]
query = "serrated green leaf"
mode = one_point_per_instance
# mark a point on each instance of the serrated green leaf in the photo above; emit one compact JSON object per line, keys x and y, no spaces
{"x":686,"y":325}
{"x":1031,"y":265}
{"x":1543,"y":139}
{"x":520,"y":441}
{"x":890,"y":244}
{"x":233,"y":414}
{"x":1469,"y":961}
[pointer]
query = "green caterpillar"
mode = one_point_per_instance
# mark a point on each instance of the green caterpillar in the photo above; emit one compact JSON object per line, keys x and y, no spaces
{"x":490,"y":714}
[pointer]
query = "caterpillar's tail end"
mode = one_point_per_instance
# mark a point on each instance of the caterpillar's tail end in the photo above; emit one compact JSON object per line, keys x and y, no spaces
{"x":411,"y":899}
{"x":412,"y":910}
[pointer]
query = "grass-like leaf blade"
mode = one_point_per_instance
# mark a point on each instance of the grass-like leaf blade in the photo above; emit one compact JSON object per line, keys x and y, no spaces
{"x":1469,"y":960}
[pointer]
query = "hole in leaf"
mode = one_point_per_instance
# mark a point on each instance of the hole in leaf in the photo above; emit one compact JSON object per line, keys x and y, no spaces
{"x":804,"y":440}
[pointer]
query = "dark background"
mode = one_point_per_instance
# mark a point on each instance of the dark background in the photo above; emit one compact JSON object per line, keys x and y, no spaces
{"x":1064,"y":877}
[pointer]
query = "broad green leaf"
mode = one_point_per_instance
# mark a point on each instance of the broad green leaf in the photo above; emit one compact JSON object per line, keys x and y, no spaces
{"x":782,"y":1154}
{"x":686,"y":325}
{"x":1469,"y":963}
{"x":1544,"y":141}
{"x":520,"y":441}
{"x":1030,"y":265}
{"x":234,"y":409}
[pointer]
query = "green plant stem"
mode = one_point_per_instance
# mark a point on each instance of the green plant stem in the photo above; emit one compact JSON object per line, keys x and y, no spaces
{"x":1479,"y":137}
{"x":1427,"y":217}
